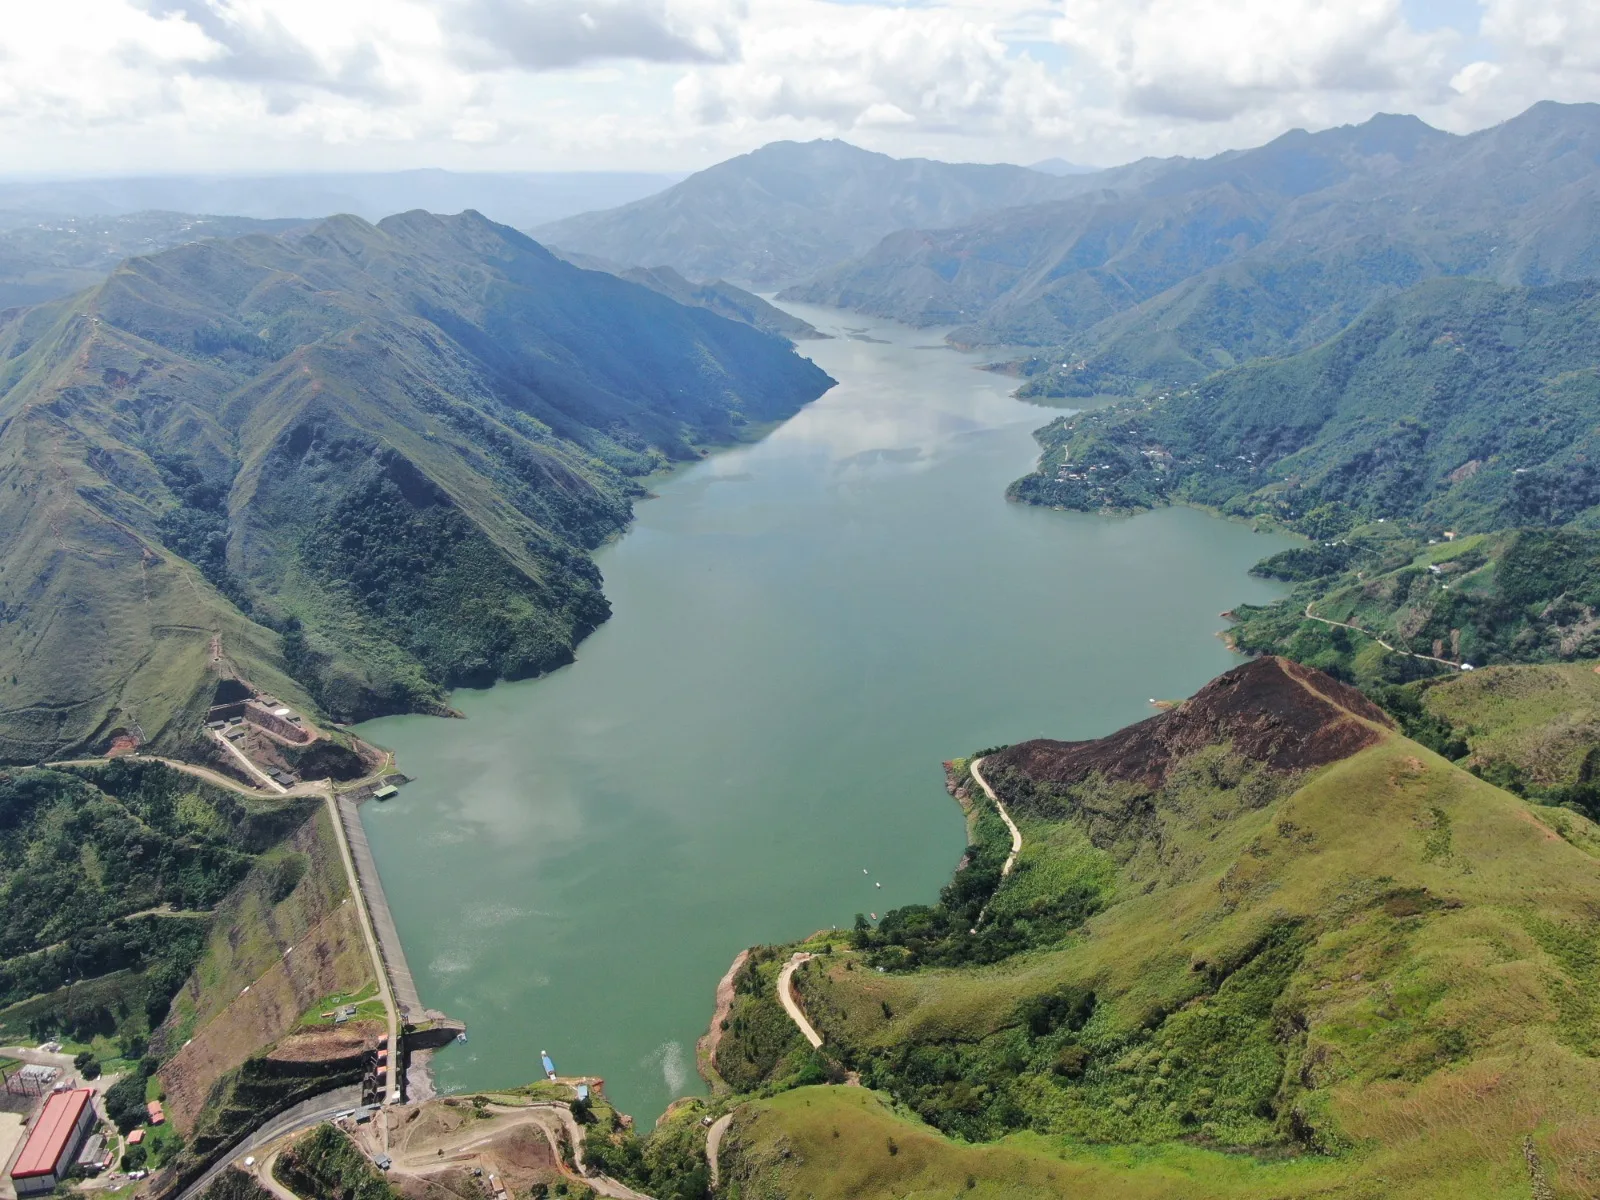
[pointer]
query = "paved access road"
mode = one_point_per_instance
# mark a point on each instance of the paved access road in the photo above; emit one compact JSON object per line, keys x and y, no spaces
{"x":302,"y":1116}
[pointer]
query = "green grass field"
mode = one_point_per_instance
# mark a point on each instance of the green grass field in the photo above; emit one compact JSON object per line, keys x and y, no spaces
{"x":368,"y":1005}
{"x":838,"y":1143}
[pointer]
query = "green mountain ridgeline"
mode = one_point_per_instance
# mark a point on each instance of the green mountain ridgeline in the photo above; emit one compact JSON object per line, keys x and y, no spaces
{"x":370,"y":459}
{"x":1163,"y":271}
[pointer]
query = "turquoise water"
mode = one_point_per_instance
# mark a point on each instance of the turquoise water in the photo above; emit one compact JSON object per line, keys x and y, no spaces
{"x":804,"y":628}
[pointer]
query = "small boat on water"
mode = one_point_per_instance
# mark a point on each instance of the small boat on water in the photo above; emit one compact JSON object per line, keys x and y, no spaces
{"x":549,"y":1067}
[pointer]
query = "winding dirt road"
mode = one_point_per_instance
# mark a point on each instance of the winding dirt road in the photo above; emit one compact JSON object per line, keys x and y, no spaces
{"x":1016,"y":834}
{"x":791,"y":1004}
{"x":420,"y":1164}
{"x":244,"y":761}
{"x":714,"y":1143}
{"x":1391,"y":649}
{"x":265,"y":1177}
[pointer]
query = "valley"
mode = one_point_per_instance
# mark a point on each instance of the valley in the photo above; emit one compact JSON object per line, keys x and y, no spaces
{"x":409,"y":618}
{"x":797,"y":641}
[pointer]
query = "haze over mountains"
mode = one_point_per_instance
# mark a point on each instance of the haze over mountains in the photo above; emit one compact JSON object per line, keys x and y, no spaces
{"x":43,"y":256}
{"x":1202,"y":263}
{"x":781,"y":213}
{"x":513,"y":198}
{"x":371,"y":459}
{"x":1161,"y":270}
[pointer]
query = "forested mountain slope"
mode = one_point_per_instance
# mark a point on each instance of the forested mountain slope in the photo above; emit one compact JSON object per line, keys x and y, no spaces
{"x":720,"y":296}
{"x":1262,"y":945}
{"x":789,"y":209}
{"x":370,"y":458}
{"x":108,"y":880}
{"x":1459,"y":403}
{"x":725,"y":300}
{"x":1250,"y":253}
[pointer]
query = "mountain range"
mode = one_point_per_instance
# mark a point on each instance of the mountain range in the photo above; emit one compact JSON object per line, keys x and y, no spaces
{"x":1169,"y":271}
{"x":1327,"y":928}
{"x":788,"y":210}
{"x":358,"y":464}
{"x":518,"y":198}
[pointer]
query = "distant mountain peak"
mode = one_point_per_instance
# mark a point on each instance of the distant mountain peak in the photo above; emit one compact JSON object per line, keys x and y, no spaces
{"x":789,"y":209}
{"x":1060,"y":166}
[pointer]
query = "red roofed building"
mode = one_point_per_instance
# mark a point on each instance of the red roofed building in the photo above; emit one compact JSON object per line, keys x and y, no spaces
{"x":157,"y":1116}
{"x":53,"y":1143}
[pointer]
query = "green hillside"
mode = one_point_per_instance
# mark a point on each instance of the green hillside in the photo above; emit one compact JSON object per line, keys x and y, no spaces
{"x":723,"y":299}
{"x":370,"y":460}
{"x":1306,"y":957}
{"x":1459,"y":404}
{"x":1523,"y":596}
{"x":108,"y":879}
{"x":1534,"y":730}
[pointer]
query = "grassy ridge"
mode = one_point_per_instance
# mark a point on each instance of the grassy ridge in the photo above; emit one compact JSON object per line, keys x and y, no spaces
{"x":1290,"y":990}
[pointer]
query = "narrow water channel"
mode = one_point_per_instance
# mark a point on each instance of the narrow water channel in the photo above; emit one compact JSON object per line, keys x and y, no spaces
{"x":804,"y":628}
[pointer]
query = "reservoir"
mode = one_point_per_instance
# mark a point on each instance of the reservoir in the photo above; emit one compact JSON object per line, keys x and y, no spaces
{"x":803,"y":629}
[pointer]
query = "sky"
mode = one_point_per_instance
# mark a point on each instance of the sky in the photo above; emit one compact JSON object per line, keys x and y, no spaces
{"x":152,"y":86}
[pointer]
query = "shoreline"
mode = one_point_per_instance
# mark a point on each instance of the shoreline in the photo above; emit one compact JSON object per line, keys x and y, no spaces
{"x":707,"y":1043}
{"x":705,"y":1048}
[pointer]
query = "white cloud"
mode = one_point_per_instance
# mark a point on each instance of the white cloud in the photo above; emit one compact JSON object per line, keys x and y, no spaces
{"x":1559,"y":35}
{"x":546,"y":34}
{"x":82,"y":62}
{"x":1213,"y":60}
{"x":120,"y":85}
{"x":860,"y":66}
